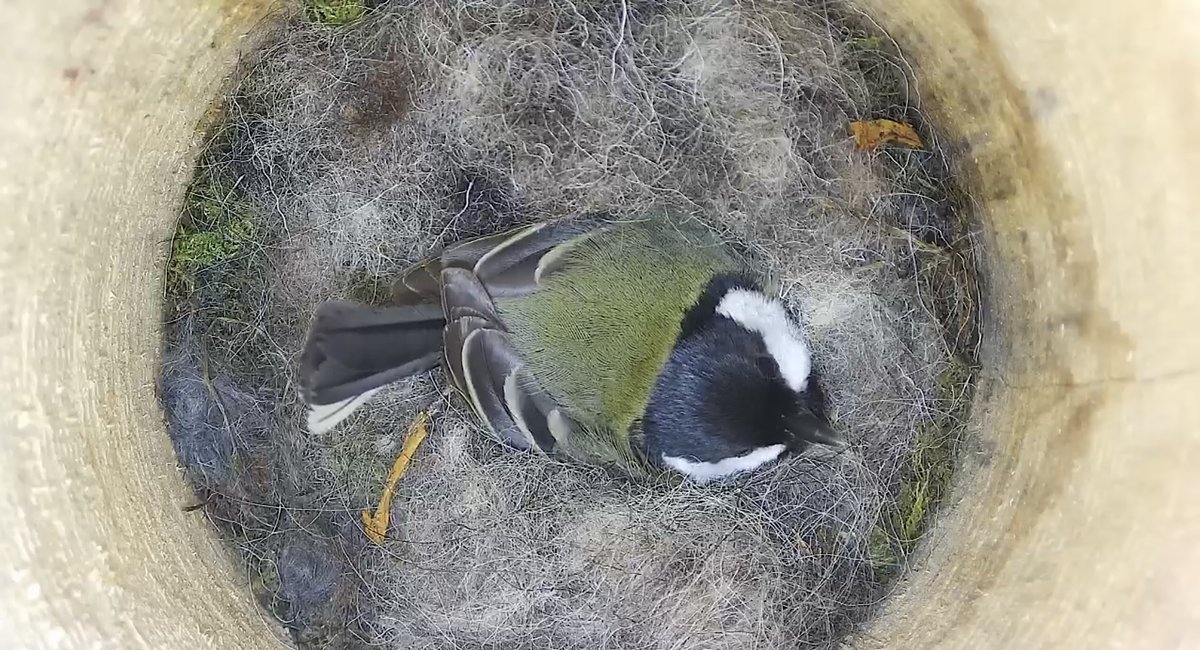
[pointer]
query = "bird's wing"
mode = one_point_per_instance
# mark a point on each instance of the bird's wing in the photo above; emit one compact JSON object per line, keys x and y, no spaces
{"x":352,"y":351}
{"x":508,"y":264}
{"x":421,"y":282}
{"x":485,"y":367}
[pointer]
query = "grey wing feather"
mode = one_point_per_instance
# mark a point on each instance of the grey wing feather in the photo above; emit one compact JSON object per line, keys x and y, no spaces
{"x":516,"y":266}
{"x":488,"y":371}
{"x":442,"y":301}
{"x":464,"y":295}
{"x":454,"y":338}
{"x":418,"y":284}
{"x":508,"y":264}
{"x":421,"y":282}
{"x":466,"y":253}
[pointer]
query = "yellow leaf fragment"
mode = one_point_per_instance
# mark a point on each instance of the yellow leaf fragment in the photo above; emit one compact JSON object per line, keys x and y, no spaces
{"x":376,"y":525}
{"x":871,"y":135}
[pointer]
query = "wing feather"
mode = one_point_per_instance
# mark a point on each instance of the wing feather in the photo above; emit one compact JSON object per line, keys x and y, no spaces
{"x":485,"y":367}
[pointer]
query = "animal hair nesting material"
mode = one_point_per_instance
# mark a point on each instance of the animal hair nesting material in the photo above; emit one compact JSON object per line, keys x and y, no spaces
{"x":345,"y":153}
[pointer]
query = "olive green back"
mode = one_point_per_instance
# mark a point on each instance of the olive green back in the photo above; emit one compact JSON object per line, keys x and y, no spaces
{"x":598,"y":333}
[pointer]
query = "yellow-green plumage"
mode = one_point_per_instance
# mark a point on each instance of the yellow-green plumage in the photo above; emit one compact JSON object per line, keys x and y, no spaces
{"x":559,"y":333}
{"x":597,"y":334}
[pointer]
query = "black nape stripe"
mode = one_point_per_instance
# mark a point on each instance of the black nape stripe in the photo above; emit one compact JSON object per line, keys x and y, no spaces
{"x":702,"y":313}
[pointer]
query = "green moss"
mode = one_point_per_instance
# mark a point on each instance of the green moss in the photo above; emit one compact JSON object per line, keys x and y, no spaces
{"x":334,"y":13}
{"x":217,"y":268}
{"x":370,"y":289}
{"x":884,"y":551}
{"x":359,"y":468}
{"x":264,"y":579}
{"x":216,"y":229}
{"x":932,"y":464}
{"x":865,"y":44}
{"x":883,"y":70}
{"x":945,"y":275}
{"x":928,"y":477}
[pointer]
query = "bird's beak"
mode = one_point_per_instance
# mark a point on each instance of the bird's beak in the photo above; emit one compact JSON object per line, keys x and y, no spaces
{"x":808,"y":427}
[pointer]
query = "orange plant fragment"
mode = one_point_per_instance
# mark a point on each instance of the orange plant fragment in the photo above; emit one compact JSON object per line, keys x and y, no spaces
{"x":873,"y":134}
{"x":376,"y":525}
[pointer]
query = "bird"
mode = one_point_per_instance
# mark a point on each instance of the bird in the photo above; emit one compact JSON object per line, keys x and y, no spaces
{"x":637,"y":342}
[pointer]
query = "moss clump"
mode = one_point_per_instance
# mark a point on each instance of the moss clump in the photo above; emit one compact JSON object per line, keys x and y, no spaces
{"x":217,"y":263}
{"x":931,"y":469}
{"x":928,"y":478}
{"x":215,"y":229}
{"x":933,"y":219}
{"x":369,"y":288}
{"x":334,"y":13}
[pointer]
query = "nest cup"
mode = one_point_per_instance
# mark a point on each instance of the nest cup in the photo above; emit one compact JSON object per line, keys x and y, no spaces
{"x":1085,"y":335}
{"x":352,"y":147}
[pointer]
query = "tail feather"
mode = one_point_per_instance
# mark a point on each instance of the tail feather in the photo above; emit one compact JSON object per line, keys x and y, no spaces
{"x":353,"y":350}
{"x":323,"y":417}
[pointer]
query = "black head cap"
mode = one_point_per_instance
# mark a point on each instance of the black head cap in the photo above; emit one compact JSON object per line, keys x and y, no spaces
{"x":721,"y":404}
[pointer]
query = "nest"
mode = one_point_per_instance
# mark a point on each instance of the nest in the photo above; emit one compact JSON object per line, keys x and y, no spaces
{"x":345,"y":153}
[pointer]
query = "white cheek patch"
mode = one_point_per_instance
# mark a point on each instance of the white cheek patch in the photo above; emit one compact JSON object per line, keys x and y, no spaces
{"x":767,"y":317}
{"x":703,"y":472}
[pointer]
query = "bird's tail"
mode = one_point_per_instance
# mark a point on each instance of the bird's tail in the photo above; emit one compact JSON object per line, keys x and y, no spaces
{"x":353,"y":350}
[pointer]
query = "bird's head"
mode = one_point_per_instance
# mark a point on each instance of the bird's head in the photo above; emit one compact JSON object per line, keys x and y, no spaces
{"x":737,"y":391}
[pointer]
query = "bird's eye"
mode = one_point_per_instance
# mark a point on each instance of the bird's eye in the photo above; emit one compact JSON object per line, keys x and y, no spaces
{"x":766,"y":365}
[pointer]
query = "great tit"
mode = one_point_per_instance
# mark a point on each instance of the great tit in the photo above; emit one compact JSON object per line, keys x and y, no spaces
{"x":640,"y":343}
